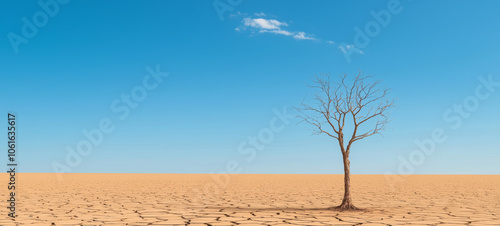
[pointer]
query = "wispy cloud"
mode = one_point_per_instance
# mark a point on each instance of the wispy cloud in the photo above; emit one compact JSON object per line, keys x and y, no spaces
{"x":302,"y":36}
{"x":280,"y":32}
{"x":346,"y":48}
{"x":261,"y":14}
{"x":262,"y":25}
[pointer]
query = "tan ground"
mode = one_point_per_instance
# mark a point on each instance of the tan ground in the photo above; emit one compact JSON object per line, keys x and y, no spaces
{"x":178,"y":199}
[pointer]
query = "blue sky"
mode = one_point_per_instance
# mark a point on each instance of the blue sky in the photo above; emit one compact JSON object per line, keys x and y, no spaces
{"x":227,"y":71}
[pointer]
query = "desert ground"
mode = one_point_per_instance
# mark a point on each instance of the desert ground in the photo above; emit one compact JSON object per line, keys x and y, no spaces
{"x":200,"y":199}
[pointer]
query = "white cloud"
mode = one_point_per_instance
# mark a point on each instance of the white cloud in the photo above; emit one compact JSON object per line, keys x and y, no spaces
{"x":280,"y":32}
{"x":346,"y":47}
{"x":273,"y":26}
{"x":261,"y":23}
{"x":302,"y":36}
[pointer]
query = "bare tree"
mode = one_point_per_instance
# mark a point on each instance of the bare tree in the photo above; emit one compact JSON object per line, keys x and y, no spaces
{"x":357,"y":99}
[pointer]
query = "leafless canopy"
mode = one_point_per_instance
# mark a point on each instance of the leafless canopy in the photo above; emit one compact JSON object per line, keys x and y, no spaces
{"x":358,"y":99}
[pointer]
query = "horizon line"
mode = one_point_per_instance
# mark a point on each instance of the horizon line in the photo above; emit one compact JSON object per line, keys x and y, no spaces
{"x":458,"y":174}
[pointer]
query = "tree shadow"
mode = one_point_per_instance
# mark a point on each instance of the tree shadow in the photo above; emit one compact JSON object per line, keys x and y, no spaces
{"x":287,"y":209}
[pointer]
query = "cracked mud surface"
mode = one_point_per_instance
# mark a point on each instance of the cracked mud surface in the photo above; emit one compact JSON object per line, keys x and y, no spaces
{"x":188,"y":199}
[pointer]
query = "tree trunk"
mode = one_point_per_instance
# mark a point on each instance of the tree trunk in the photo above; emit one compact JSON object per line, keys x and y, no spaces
{"x":347,"y":201}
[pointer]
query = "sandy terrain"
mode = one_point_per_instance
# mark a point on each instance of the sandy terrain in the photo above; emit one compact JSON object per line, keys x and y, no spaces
{"x":178,"y":199}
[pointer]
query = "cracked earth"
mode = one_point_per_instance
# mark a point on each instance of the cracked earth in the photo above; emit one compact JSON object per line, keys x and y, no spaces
{"x":188,"y":199}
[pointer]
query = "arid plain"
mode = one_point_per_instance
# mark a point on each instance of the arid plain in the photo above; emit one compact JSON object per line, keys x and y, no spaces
{"x":197,"y":199}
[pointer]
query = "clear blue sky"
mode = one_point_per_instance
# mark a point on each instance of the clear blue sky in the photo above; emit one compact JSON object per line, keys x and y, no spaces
{"x":226,"y":77}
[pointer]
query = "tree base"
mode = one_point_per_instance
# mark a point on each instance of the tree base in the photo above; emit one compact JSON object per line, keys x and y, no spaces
{"x":344,"y":207}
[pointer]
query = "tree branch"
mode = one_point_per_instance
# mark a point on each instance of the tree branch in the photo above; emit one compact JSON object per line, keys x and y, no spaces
{"x":335,"y":101}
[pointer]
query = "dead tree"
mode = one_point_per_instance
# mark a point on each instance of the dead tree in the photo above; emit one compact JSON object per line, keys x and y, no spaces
{"x":361,"y":102}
